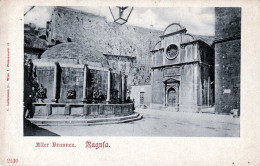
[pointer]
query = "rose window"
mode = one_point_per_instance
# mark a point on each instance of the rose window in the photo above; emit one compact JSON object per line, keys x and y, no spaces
{"x":172,"y":51}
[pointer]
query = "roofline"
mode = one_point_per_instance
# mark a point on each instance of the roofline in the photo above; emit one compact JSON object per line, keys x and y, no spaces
{"x":86,"y":13}
{"x":169,"y":34}
{"x":195,"y":41}
{"x":182,"y":27}
{"x":155,"y":46}
{"x":133,"y":57}
{"x":77,"y":11}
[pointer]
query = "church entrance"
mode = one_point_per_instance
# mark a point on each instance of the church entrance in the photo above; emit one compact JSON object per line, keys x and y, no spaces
{"x":172,"y":97}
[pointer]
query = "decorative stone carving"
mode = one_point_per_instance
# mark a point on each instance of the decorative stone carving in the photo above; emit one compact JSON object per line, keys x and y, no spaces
{"x":71,"y":94}
{"x":173,"y":71}
{"x":97,"y":95}
{"x":41,"y":92}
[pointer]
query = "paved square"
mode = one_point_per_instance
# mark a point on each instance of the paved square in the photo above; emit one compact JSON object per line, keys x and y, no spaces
{"x":160,"y":123}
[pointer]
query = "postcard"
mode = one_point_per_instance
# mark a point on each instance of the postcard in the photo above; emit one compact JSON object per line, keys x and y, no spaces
{"x":129,"y":83}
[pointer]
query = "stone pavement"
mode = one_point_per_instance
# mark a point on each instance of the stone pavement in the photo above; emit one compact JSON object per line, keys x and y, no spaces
{"x":160,"y":123}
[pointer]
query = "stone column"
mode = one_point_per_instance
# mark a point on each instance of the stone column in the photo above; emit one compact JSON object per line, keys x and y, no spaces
{"x":164,"y":53}
{"x":152,"y":77}
{"x":208,"y":90}
{"x":196,"y":50}
{"x":108,"y":85}
{"x":55,"y":83}
{"x":120,"y":86}
{"x":85,"y":84}
{"x":153,"y":56}
{"x":152,"y":88}
{"x":178,"y":97}
{"x":123,"y":85}
{"x":166,"y":96}
{"x":195,"y":85}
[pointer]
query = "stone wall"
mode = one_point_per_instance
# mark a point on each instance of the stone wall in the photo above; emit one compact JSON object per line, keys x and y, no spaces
{"x":187,"y":87}
{"x":228,"y":22}
{"x":107,"y":37}
{"x":189,"y":52}
{"x":135,"y":94}
{"x":43,"y":110}
{"x":227,"y":69}
{"x":127,"y":48}
{"x":227,"y":59}
{"x":206,"y":55}
{"x":158,"y":87}
{"x":121,"y":63}
{"x":33,"y":45}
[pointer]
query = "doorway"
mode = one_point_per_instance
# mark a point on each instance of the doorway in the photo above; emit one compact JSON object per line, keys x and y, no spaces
{"x":172,"y":97}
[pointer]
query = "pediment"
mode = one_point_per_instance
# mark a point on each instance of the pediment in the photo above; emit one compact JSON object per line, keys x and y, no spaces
{"x":171,"y":80}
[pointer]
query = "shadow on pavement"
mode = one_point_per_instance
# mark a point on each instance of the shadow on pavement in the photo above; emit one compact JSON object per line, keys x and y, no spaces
{"x":31,"y":129}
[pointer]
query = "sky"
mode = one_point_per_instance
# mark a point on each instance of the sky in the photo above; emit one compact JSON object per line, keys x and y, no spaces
{"x":198,"y":21}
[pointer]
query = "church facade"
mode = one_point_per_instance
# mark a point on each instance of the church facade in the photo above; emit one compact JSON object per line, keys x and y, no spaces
{"x":182,"y":71}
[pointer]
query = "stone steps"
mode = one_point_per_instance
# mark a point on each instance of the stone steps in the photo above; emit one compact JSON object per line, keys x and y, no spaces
{"x":210,"y":110}
{"x":173,"y":109}
{"x":85,"y":122}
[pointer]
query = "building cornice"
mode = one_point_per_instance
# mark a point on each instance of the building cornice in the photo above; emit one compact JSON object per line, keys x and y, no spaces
{"x":180,"y":64}
{"x":175,"y":64}
{"x":79,"y":66}
{"x":226,"y":39}
{"x":183,"y":45}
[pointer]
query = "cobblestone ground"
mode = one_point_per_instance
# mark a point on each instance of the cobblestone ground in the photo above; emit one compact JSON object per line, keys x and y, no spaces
{"x":160,"y":123}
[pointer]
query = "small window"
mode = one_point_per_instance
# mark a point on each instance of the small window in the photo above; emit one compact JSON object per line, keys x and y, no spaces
{"x":69,"y":39}
{"x":58,"y":42}
{"x":42,"y":37}
{"x":141,"y":97}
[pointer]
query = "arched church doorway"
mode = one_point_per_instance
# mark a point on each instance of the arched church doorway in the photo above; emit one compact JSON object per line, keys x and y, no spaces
{"x":172,"y":97}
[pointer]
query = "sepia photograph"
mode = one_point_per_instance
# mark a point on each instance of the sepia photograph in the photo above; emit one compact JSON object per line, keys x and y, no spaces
{"x":132,"y":71}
